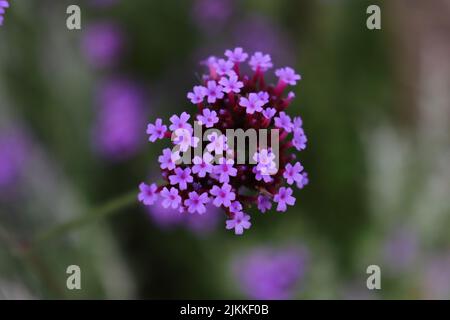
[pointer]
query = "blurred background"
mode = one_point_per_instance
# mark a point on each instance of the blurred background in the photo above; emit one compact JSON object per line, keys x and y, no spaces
{"x":73,"y":149}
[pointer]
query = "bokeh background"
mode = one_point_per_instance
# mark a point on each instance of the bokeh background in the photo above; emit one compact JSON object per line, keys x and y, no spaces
{"x":73,"y":111}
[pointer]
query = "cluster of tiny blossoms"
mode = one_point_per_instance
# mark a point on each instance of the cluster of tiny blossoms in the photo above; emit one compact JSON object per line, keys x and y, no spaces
{"x":3,"y":5}
{"x":229,"y":99}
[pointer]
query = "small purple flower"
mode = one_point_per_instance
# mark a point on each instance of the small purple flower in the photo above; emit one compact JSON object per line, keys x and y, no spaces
{"x":291,"y":95}
{"x":304,"y":181}
{"x":262,"y":175}
{"x":252,"y":103}
{"x":283,"y":121}
{"x":147,"y":194}
{"x":196,"y":202}
{"x":208,"y":118}
{"x":181,"y":177}
{"x":287,"y":75}
{"x":103,"y":44}
{"x":260,"y":61}
{"x":218,"y":144}
{"x":202,"y":165}
{"x":293,"y":173}
{"x":214,"y":91}
{"x":197,"y":95}
{"x":180,"y":122}
{"x":236,"y":207}
{"x":299,"y":140}
{"x":237,"y":55}
{"x":265,"y":157}
{"x":168,"y":159}
{"x":225,"y":170}
{"x":264,"y":203}
{"x":297,"y":123}
{"x":284,"y":197}
{"x":184,"y":139}
{"x":224,"y":67}
{"x":231,"y":84}
{"x":223,"y":195}
{"x":268,"y":113}
{"x":171,"y":198}
{"x":239,"y":222}
{"x":156,"y":131}
{"x":264,"y":96}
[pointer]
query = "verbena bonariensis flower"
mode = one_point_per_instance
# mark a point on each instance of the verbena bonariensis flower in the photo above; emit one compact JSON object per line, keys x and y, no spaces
{"x":269,"y":273}
{"x":120,"y":119}
{"x":103,"y":44}
{"x":3,"y":5}
{"x":220,"y":174}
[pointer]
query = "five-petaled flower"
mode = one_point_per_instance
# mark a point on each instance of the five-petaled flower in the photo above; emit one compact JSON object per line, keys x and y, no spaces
{"x":157,"y":130}
{"x":214,"y":91}
{"x":231,"y":84}
{"x":148,"y":193}
{"x":171,"y":198}
{"x":287,"y":75}
{"x":239,"y":222}
{"x":227,"y":98}
{"x":196,"y":202}
{"x":181,"y":177}
{"x":197,"y":95}
{"x":223,"y":195}
{"x":284,"y":197}
{"x":208,"y":118}
{"x":252,"y":103}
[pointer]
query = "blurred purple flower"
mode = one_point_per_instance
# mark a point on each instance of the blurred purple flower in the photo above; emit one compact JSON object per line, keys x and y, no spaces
{"x":400,"y":250}
{"x":120,"y":119}
{"x":103,"y":44}
{"x":436,"y":280}
{"x":210,"y":15}
{"x":14,"y":149}
{"x":248,"y":32}
{"x":198,"y":223}
{"x":267,"y":273}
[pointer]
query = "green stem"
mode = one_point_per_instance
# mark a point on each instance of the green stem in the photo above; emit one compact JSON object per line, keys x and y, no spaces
{"x":93,"y":216}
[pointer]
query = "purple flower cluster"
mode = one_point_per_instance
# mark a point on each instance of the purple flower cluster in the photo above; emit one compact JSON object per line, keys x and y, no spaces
{"x":268,"y":274}
{"x":3,"y":5}
{"x":229,"y":99}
